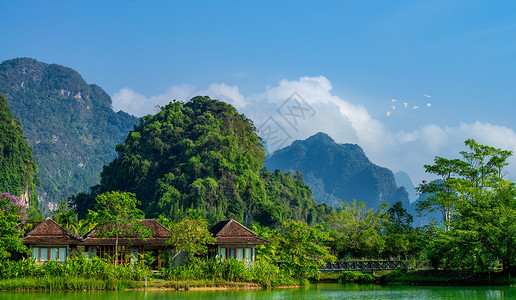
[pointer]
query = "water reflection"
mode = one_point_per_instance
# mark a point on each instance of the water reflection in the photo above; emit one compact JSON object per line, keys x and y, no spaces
{"x":319,"y":291}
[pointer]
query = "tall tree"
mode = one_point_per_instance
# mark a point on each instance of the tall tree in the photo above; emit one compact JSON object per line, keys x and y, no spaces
{"x":460,"y":179}
{"x":479,"y":230}
{"x":116,"y":214}
{"x":190,"y":235}
{"x":304,"y":249}
{"x":66,"y":217}
{"x":12,"y":218}
{"x":357,"y":229}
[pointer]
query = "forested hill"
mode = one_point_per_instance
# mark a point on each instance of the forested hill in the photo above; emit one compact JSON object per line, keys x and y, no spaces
{"x":18,"y":170}
{"x":204,"y":155}
{"x":69,"y":124}
{"x":338,"y":171}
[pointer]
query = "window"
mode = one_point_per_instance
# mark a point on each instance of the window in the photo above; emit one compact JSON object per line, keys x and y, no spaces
{"x":239,"y":253}
{"x":108,"y":252}
{"x":232,"y":252}
{"x":248,"y":254}
{"x":43,"y":254}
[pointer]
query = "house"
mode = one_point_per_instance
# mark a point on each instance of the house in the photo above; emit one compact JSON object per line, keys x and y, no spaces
{"x":130,"y":247}
{"x":234,"y":240}
{"x":48,"y":241}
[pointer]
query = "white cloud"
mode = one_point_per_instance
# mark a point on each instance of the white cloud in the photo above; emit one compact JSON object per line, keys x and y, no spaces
{"x":139,"y":105}
{"x":230,"y":94}
{"x":343,"y":120}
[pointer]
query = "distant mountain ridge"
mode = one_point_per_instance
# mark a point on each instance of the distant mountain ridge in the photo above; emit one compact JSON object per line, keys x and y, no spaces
{"x":69,"y":124}
{"x":338,"y":171}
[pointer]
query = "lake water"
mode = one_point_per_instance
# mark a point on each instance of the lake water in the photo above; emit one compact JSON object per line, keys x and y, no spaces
{"x":319,"y":291}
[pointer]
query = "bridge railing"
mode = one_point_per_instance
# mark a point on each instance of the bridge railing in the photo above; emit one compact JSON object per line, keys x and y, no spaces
{"x":368,"y":265}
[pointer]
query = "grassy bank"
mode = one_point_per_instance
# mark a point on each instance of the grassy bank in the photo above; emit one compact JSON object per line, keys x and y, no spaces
{"x":79,"y":273}
{"x":430,"y":277}
{"x":49,"y":283}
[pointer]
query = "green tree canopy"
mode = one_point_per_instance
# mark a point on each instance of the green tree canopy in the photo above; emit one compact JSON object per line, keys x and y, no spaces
{"x":116,"y":214}
{"x":303,"y":249}
{"x":12,"y":218}
{"x":357,"y":230}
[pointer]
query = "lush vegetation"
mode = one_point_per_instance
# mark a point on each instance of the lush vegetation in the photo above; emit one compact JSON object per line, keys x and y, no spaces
{"x":478,"y":207}
{"x":13,"y":216}
{"x":18,"y":169}
{"x":69,"y":124}
{"x":78,"y":273}
{"x":338,"y":171}
{"x":115,"y":215}
{"x":204,"y":155}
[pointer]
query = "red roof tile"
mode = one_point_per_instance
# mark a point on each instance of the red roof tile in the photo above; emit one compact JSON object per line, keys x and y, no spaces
{"x":232,"y":232}
{"x":49,"y":232}
{"x":159,"y":235}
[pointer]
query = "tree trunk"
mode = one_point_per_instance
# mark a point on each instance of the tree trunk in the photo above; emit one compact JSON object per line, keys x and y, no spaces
{"x":116,"y":250}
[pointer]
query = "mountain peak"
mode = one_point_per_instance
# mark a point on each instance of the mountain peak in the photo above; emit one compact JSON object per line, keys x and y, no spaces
{"x":321,"y":137}
{"x":337,"y":171}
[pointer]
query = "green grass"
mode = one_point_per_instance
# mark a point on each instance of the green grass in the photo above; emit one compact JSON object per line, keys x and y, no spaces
{"x":50,"y":283}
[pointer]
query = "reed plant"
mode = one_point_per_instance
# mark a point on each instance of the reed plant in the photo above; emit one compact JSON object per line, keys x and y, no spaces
{"x":78,"y":272}
{"x":261,"y":272}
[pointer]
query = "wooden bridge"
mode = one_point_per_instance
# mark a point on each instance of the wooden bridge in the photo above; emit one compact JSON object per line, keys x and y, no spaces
{"x":368,"y":265}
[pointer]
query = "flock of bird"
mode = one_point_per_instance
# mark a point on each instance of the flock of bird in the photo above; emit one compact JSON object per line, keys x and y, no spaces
{"x":405,"y":105}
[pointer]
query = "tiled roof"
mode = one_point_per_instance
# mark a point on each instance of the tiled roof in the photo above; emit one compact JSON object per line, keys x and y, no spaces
{"x":159,"y":235}
{"x":49,"y":232}
{"x":232,"y":232}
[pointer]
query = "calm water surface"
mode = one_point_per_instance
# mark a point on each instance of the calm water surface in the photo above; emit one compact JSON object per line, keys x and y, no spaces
{"x":320,"y":291}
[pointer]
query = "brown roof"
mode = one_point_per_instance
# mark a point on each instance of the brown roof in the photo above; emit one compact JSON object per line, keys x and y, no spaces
{"x":232,"y":232}
{"x":159,"y":235}
{"x":49,"y":232}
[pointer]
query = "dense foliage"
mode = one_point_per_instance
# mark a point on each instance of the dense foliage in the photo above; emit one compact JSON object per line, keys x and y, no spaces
{"x":12,"y":218}
{"x":116,"y":215}
{"x":190,"y":235}
{"x":478,"y":207}
{"x":18,"y":169}
{"x":204,"y":155}
{"x":69,"y":124}
{"x":78,"y":273}
{"x":261,"y":272}
{"x":338,"y":171}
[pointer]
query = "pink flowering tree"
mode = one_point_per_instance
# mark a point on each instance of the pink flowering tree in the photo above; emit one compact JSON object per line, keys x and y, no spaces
{"x":13,"y":216}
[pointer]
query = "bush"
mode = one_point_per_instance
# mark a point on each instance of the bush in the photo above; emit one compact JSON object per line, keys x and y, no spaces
{"x":261,"y":272}
{"x":356,"y":277}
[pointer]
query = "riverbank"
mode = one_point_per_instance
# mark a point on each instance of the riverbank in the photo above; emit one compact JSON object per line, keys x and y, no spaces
{"x":421,"y":277}
{"x":444,"y":278}
{"x":49,"y":283}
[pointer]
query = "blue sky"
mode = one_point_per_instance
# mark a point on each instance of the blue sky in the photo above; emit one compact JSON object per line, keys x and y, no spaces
{"x":346,"y":60}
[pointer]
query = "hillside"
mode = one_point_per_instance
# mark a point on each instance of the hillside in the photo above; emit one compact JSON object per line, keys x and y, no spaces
{"x":69,"y":124}
{"x":204,"y":155}
{"x":338,"y":171}
{"x":18,"y":170}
